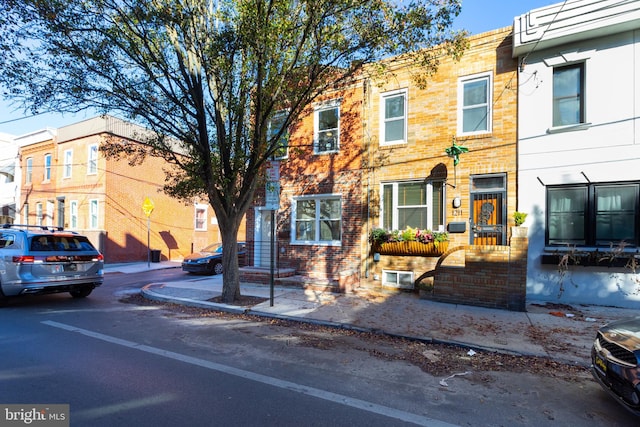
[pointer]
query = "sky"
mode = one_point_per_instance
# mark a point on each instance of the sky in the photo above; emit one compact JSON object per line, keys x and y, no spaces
{"x":477,"y":17}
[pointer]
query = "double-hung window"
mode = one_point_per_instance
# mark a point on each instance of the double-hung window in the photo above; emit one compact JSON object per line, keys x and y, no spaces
{"x":93,"y":214}
{"x":28,"y":176}
{"x":474,"y":104}
{"x":594,"y":214}
{"x":200,"y":223}
{"x":568,"y":95}
{"x":393,"y":110}
{"x":73,"y":219}
{"x":327,"y":127}
{"x":68,"y":162}
{"x":278,"y":135}
{"x":416,"y":204}
{"x":39,"y":213}
{"x":92,"y":159}
{"x":317,"y":220}
{"x":47,"y":167}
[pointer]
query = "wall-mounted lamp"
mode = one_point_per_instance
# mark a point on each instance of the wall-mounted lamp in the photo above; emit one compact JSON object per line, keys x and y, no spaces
{"x":456,"y":203}
{"x":376,"y":257}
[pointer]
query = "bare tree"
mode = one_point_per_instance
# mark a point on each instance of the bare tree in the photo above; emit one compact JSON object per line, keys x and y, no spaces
{"x":210,"y":74}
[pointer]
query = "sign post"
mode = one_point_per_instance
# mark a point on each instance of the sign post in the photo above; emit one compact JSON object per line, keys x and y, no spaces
{"x":147,"y":207}
{"x":272,"y":203}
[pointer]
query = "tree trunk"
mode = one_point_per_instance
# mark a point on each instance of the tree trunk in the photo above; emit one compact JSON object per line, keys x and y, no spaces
{"x":230,"y":268}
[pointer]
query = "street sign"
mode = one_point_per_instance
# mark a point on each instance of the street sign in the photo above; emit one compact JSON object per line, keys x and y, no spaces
{"x":148,"y":206}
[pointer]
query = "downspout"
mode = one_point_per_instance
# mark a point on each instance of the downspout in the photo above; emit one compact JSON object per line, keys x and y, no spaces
{"x":365,"y":108}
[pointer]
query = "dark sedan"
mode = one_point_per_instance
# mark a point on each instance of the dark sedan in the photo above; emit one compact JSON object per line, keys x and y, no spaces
{"x":209,"y":260}
{"x":615,"y":361}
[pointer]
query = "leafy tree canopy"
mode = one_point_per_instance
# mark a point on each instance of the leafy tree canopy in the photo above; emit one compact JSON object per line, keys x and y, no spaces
{"x":209,"y":74}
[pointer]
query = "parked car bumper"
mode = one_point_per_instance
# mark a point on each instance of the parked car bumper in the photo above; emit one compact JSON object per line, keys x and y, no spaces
{"x":620,"y":380}
{"x":50,"y":287}
{"x":193,"y":267}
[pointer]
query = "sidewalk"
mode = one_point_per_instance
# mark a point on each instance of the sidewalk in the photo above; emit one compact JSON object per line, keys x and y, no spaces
{"x":562,"y":333}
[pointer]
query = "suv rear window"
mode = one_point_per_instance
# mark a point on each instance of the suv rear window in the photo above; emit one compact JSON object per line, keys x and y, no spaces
{"x":60,"y":243}
{"x":6,"y":239}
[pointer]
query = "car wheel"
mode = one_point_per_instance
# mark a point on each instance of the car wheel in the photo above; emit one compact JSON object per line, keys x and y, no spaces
{"x":210,"y":270}
{"x":217,"y":268}
{"x":81,"y":292}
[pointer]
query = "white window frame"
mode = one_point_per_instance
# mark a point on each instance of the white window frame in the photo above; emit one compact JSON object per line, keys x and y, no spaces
{"x":49,"y":215}
{"x":92,"y":159}
{"x":284,"y":138}
{"x":295,"y":223}
{"x":39,"y":213}
{"x":68,"y":163}
{"x":488,"y":105}
{"x":428,"y":206}
{"x":29,"y":170}
{"x":397,"y":283}
{"x":47,"y":167}
{"x":199,"y":207}
{"x":73,"y":214}
{"x":94,"y":213}
{"x":383,"y":120}
{"x":25,"y":213}
{"x":330,"y":105}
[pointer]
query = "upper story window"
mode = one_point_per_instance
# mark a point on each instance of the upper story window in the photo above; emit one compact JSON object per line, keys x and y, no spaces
{"x":568,"y":95}
{"x":92,"y":159}
{"x":47,"y":167}
{"x":68,"y":162}
{"x":93,"y":214}
{"x":416,"y":204}
{"x":318,"y":220}
{"x":474,"y":104}
{"x":327,"y":127}
{"x":393,"y":120}
{"x":276,"y":125}
{"x":73,"y":214}
{"x":28,"y":176}
{"x":200,"y":222}
{"x":594,"y":214}
{"x":39,"y":213}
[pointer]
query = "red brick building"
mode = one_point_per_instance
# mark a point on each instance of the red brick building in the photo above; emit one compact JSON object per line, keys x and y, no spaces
{"x":68,"y":182}
{"x":389,"y":168}
{"x":413,"y":182}
{"x":319,"y":220}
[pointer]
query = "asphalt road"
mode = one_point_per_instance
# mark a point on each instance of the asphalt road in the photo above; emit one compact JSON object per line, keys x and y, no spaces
{"x":122,"y":364}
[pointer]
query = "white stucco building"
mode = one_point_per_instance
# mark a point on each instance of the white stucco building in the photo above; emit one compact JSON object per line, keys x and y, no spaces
{"x":579,"y":149}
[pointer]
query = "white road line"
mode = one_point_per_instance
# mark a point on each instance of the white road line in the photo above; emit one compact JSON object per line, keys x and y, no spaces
{"x":252,"y":376}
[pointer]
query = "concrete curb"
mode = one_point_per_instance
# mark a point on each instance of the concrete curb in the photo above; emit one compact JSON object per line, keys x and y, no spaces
{"x":149,"y":294}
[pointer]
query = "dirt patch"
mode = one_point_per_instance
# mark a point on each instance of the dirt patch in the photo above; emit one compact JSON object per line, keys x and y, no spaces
{"x":435,"y":359}
{"x":243,"y":301}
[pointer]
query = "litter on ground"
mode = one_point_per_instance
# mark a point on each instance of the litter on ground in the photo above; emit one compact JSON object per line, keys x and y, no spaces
{"x":443,"y":382}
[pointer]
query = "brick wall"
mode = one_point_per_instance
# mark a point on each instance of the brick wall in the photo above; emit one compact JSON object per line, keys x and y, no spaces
{"x":120,"y":190}
{"x":304,"y":173}
{"x":491,"y":276}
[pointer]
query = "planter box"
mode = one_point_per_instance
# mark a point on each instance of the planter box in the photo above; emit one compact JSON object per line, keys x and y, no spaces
{"x":412,"y":248}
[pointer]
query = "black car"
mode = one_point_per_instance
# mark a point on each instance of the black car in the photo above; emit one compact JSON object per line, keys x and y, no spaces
{"x":209,"y":259}
{"x":615,"y":361}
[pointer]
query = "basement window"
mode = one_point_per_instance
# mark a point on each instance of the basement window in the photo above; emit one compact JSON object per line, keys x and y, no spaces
{"x":397,"y":279}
